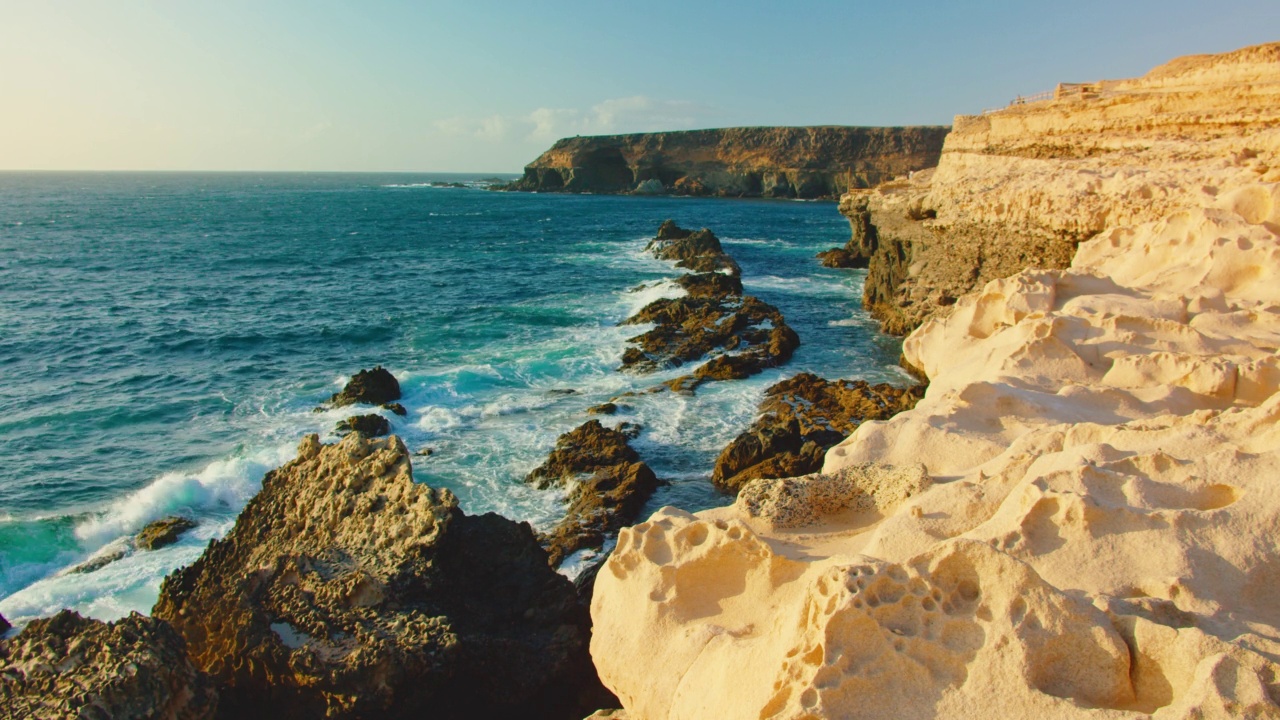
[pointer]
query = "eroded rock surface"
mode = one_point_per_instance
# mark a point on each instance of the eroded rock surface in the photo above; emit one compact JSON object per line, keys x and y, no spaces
{"x":1023,"y":187}
{"x":68,"y":666}
{"x":347,"y":590}
{"x":1077,"y":520}
{"x":799,"y":420}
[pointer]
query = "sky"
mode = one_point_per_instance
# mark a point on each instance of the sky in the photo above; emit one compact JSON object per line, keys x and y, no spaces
{"x":485,"y":86}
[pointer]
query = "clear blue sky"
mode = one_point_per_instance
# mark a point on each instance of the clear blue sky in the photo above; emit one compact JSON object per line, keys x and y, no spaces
{"x":484,"y":86}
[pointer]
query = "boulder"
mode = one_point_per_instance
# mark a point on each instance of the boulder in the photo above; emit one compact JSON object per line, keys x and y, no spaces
{"x":347,"y":590}
{"x":162,"y":532}
{"x":396,"y":408}
{"x":370,"y":387}
{"x":68,"y":666}
{"x":800,"y":419}
{"x":367,"y":425}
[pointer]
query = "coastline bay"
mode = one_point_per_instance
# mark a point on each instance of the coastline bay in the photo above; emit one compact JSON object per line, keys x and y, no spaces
{"x":170,"y":334}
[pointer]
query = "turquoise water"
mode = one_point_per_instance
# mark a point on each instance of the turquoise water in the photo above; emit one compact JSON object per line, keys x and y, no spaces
{"x":164,"y":339}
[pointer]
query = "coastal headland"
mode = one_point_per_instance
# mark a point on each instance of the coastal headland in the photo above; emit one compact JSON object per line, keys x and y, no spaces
{"x":773,"y":162}
{"x":1078,"y":519}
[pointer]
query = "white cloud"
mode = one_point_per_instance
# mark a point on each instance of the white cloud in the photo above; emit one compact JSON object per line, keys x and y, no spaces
{"x":617,"y":115}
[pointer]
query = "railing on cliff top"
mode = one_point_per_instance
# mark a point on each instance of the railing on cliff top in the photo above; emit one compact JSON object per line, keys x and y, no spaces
{"x":1064,"y":91}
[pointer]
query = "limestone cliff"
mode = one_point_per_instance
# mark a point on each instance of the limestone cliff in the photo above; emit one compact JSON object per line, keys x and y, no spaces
{"x":1024,"y":186}
{"x":1078,"y":519}
{"x":785,"y":162}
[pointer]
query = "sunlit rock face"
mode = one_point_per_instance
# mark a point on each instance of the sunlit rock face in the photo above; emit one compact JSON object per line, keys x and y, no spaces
{"x":783,"y":162}
{"x":1078,"y":519}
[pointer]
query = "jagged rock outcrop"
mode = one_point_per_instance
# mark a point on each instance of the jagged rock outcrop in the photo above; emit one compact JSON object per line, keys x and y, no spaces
{"x":347,"y":590}
{"x":68,"y":666}
{"x":370,"y":387}
{"x":609,"y":487}
{"x":801,"y":418}
{"x":784,"y":162}
{"x":741,"y":334}
{"x":1077,"y":520}
{"x":1023,"y":187}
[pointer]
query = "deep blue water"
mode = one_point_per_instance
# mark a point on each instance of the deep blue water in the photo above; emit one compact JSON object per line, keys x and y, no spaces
{"x":164,"y":339}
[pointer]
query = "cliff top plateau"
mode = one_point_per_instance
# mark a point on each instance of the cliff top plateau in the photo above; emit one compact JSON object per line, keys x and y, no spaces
{"x":1078,"y":519}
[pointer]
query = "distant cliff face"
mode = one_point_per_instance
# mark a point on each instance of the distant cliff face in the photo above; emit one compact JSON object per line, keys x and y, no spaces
{"x":784,"y":162}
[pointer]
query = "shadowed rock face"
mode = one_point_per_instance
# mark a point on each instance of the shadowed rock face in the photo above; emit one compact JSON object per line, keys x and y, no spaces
{"x":372,"y":387}
{"x":800,"y":419}
{"x":347,"y":590}
{"x":68,"y":666}
{"x":784,"y":162}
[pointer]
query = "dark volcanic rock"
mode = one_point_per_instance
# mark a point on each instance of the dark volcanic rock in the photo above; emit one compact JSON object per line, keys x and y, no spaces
{"x":346,"y":590}
{"x":599,"y":506}
{"x":371,"y":387}
{"x":4,"y":625}
{"x":710,"y":284}
{"x":396,"y":408}
{"x":800,"y":419}
{"x":697,"y":250}
{"x":614,"y":489}
{"x":669,"y":230}
{"x":162,"y":532}
{"x":366,"y":425}
{"x":747,"y":333}
{"x":68,"y":666}
{"x":743,"y":334}
{"x":603,"y":409}
{"x":585,"y":449}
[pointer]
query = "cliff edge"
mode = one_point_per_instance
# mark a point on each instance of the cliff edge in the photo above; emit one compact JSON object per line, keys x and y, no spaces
{"x":782,"y":162}
{"x":1078,"y":519}
{"x":1024,"y":186}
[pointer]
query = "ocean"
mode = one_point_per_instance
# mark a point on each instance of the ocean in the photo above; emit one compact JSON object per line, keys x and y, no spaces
{"x":166,"y":338}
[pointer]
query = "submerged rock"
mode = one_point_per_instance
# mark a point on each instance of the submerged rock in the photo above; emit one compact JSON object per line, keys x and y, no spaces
{"x":800,"y":419}
{"x":367,"y":425}
{"x":370,"y":387}
{"x":68,"y":666}
{"x":347,"y":590}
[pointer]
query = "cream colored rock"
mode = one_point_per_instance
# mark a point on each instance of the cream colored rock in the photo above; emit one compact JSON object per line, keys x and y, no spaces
{"x":1093,"y":530}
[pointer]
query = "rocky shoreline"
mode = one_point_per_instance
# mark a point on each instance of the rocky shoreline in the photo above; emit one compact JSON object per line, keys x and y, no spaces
{"x":1053,"y":528}
{"x":1076,"y":520}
